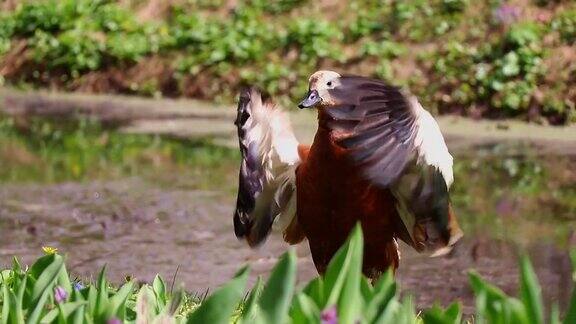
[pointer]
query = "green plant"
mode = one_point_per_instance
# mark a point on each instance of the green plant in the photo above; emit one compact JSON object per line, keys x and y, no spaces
{"x":367,"y":21}
{"x":500,"y":69}
{"x":6,"y":32}
{"x":503,"y":74}
{"x":45,"y":294}
{"x":75,"y":50}
{"x":315,"y":39}
{"x":565,"y":24}
{"x":277,"y":6}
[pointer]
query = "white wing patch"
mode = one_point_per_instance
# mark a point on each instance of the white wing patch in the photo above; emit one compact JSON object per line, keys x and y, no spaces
{"x":422,"y":203}
{"x":432,"y":149}
{"x":274,"y":149}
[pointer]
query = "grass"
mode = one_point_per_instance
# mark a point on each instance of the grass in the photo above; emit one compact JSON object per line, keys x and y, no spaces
{"x":44,"y":293}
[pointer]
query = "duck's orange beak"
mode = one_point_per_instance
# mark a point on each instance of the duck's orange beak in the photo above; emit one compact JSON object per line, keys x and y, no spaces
{"x":311,"y":100}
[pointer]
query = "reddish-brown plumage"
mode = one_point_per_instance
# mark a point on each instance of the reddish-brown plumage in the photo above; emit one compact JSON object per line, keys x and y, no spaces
{"x":332,"y":197}
{"x":377,"y":155}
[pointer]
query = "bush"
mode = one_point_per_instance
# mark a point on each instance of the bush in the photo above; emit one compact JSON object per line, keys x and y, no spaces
{"x":44,"y":293}
{"x":503,"y":74}
{"x":565,"y":24}
{"x":314,"y":39}
{"x":493,"y":61}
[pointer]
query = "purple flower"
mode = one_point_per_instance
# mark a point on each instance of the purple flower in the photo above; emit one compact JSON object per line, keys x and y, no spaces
{"x":78,"y":286}
{"x":113,"y":320}
{"x":329,"y":316}
{"x":60,"y":294}
{"x":506,"y":14}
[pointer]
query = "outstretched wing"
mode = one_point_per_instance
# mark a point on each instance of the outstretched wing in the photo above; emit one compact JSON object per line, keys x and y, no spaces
{"x":267,"y":180}
{"x":398,"y":145}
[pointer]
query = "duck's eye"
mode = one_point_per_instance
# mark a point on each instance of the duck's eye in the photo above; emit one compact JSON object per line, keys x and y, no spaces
{"x":329,"y":83}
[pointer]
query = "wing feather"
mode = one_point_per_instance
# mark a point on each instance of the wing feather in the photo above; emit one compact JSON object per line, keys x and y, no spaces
{"x":398,"y":146}
{"x":267,"y":184}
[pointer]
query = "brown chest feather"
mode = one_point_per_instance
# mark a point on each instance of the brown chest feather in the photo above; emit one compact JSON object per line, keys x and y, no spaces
{"x":332,"y":197}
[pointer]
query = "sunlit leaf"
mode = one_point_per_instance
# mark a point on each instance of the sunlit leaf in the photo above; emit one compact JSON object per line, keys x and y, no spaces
{"x":63,"y":310}
{"x":46,"y":270}
{"x":277,"y":294}
{"x":304,"y":310}
{"x":571,"y":313}
{"x":530,"y":291}
{"x":117,"y":302}
{"x":219,"y":306}
{"x":251,"y":305}
{"x":343,"y":278}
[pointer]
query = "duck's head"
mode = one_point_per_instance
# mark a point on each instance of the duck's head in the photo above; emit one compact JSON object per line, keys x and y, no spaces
{"x":319,"y":86}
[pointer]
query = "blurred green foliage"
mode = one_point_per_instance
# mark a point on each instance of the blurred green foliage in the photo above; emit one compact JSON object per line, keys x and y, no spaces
{"x":456,"y":55}
{"x":40,"y":150}
{"x":565,"y":23}
{"x":503,"y":74}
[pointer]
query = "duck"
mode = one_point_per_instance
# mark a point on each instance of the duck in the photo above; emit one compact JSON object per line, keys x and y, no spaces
{"x":378,"y":158}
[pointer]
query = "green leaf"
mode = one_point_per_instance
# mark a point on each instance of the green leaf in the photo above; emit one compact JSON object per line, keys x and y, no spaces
{"x":117,"y":303}
{"x":46,"y":269}
{"x":251,"y":305}
{"x":61,"y":315}
{"x":366,"y":289}
{"x":16,"y":316}
{"x":16,"y":266}
{"x":92,"y":296}
{"x":6,"y":304}
{"x":144,"y":309}
{"x":489,"y":299}
{"x":315,"y":290}
{"x":530,"y":291}
{"x":555,"y":314}
{"x":516,"y":312}
{"x":304,"y":310}
{"x":454,"y":312}
{"x":64,"y":310}
{"x":479,"y":285}
{"x":38,"y":308}
{"x":342,"y":280}
{"x":389,"y":313}
{"x":384,"y":292}
{"x":405,"y":312}
{"x":80,"y":313}
{"x":64,"y":280}
{"x":102,"y":296}
{"x":571,"y":313}
{"x":220,"y":305}
{"x":277,"y":294}
{"x":160,"y":290}
{"x":435,"y":315}
{"x":176,"y":301}
{"x":18,"y":306}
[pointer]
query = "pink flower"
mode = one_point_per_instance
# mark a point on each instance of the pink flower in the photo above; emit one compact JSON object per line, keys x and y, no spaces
{"x":60,"y":294}
{"x":506,"y":14}
{"x":329,"y":316}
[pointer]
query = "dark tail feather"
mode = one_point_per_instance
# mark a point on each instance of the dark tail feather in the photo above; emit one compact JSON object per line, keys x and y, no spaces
{"x":249,"y":184}
{"x":247,"y":178}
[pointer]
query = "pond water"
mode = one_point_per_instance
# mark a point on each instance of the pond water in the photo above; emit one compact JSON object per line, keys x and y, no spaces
{"x":164,"y":220}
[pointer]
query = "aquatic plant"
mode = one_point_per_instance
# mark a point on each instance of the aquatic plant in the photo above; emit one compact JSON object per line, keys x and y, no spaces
{"x":44,"y":293}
